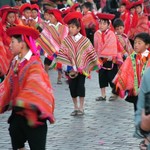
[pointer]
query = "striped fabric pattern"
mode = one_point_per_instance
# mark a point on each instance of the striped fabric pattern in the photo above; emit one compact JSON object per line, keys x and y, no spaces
{"x":34,"y":92}
{"x":80,"y":54}
{"x":50,"y":39}
{"x":5,"y":58}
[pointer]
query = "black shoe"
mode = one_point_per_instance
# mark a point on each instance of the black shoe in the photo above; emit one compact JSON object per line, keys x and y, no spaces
{"x":101,"y":98}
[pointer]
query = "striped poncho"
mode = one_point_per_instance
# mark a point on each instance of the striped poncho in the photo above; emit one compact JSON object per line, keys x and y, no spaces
{"x":51,"y":39}
{"x":80,"y":54}
{"x":29,"y":89}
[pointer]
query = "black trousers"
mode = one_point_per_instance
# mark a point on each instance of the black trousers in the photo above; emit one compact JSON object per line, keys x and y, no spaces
{"x":20,"y":132}
{"x":77,"y":87}
{"x":106,"y":76}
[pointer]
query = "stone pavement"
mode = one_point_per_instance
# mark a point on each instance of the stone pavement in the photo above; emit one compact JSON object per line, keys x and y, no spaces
{"x":105,"y":125}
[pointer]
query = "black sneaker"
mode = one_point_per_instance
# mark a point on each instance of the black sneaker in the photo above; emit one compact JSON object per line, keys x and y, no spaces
{"x":74,"y":113}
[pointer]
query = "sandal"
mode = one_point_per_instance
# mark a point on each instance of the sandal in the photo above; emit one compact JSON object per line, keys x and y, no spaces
{"x":101,"y":98}
{"x":143,"y":145}
{"x":113,"y":97}
{"x":74,"y":113}
{"x":59,"y":82}
{"x":80,"y":112}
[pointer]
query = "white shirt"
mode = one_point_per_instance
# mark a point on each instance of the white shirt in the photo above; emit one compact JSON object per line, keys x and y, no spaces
{"x":77,"y":37}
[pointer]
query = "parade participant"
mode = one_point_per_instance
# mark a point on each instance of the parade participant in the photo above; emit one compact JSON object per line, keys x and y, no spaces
{"x":8,"y":19}
{"x":51,"y":39}
{"x":36,"y":13}
{"x":105,"y":44}
{"x":128,"y":78}
{"x":89,"y":20}
{"x":124,"y":16}
{"x":142,"y":120}
{"x":26,"y":91}
{"x":79,"y":56}
{"x":141,"y":22}
{"x":122,"y":38}
{"x":25,"y":12}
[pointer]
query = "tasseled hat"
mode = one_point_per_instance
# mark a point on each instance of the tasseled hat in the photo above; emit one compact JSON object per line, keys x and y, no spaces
{"x":5,"y":10}
{"x":28,"y":34}
{"x":24,"y":6}
{"x":57,"y":13}
{"x":105,"y":16}
{"x":75,"y":15}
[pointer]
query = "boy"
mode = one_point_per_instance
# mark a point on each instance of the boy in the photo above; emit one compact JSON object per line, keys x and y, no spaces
{"x":36,"y":13}
{"x":27,"y":91}
{"x":89,"y":20}
{"x":53,"y":35}
{"x":105,"y":44}
{"x":128,"y":79}
{"x":141,"y":21}
{"x":122,"y":38}
{"x":79,"y":57}
{"x":8,"y":19}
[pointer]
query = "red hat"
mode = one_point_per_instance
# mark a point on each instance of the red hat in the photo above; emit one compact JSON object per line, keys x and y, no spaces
{"x":124,"y":2}
{"x":72,"y":15}
{"x":35,"y":6}
{"x":57,"y":14}
{"x":140,"y":2}
{"x":73,"y":8}
{"x":105,"y":16}
{"x":65,"y":11}
{"x":23,"y":30}
{"x":75,"y":15}
{"x":5,"y":10}
{"x":24,"y":6}
{"x":28,"y":34}
{"x":130,"y":5}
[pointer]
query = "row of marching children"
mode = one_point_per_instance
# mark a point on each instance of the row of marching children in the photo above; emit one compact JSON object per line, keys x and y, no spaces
{"x":66,"y":44}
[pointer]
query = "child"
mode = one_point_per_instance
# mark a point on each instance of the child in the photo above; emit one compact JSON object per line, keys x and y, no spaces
{"x":128,"y":79}
{"x":25,"y":12}
{"x":141,"y":22}
{"x":53,"y":36}
{"x":122,"y":38}
{"x":105,"y":44}
{"x":78,"y":54}
{"x":89,"y":20}
{"x":8,"y":19}
{"x":36,"y":13}
{"x":27,"y":91}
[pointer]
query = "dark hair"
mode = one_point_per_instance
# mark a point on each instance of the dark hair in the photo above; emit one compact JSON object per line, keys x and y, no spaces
{"x":145,"y":37}
{"x":75,"y":22}
{"x":35,"y":9}
{"x":19,"y":38}
{"x":88,"y":5}
{"x":139,"y":5}
{"x":117,"y":23}
{"x":105,"y":20}
{"x":28,"y":8}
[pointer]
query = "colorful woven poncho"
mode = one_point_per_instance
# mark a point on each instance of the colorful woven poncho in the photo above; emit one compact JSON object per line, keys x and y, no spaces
{"x":126,"y":78}
{"x":30,"y":89}
{"x":50,"y":38}
{"x":80,"y":54}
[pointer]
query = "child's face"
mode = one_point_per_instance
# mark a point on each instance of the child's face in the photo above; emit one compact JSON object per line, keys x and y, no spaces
{"x":27,"y":14}
{"x":34,"y":14}
{"x":46,"y":16}
{"x":119,"y":30}
{"x":122,"y":8}
{"x":85,"y":10}
{"x":11,"y":18}
{"x":103,"y":25}
{"x":15,"y":46}
{"x":52,"y":19}
{"x":140,"y":46}
{"x":138,"y":9}
{"x":73,"y":29}
{"x":132,"y":10}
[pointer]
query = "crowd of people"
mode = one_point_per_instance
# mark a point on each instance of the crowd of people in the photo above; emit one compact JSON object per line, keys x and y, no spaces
{"x":111,"y":37}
